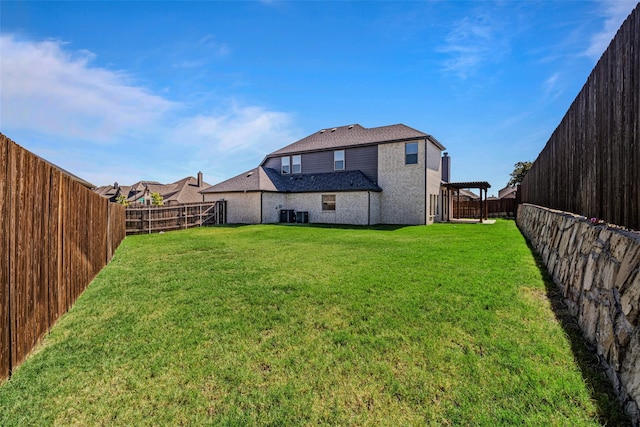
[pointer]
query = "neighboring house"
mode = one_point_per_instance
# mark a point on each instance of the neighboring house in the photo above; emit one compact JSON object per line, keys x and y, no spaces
{"x":466,"y":195}
{"x":508,"y":193}
{"x":186,"y":190}
{"x":343,"y":175}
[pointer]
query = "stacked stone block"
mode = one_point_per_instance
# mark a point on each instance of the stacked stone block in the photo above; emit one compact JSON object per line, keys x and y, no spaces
{"x":596,"y":266}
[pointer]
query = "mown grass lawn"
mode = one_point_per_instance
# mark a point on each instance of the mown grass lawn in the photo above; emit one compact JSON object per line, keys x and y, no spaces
{"x":301,"y":325}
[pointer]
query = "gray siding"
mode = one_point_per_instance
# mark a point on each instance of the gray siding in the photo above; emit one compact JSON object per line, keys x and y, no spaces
{"x":318,"y":162}
{"x":273,"y":163}
{"x":364,"y":159}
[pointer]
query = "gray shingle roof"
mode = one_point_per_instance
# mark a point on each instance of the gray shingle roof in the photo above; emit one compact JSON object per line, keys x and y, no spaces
{"x":267,"y":179}
{"x":329,"y":181}
{"x":185,"y":190}
{"x":253,"y":180}
{"x":352,"y":135}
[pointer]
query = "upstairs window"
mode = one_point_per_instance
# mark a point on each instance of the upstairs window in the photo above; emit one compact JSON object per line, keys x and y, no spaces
{"x":338,"y":160}
{"x":411,"y":153}
{"x":296,"y":164}
{"x":286,"y":166}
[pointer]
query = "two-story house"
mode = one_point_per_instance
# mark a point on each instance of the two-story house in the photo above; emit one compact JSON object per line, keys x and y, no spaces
{"x":343,"y":175}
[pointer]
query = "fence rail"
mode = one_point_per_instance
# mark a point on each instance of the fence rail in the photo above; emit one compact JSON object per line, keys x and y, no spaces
{"x":591,"y":164}
{"x":55,"y":236}
{"x":153,"y":219}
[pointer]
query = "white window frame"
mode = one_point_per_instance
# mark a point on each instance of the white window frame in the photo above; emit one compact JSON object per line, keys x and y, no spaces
{"x":285,"y":165}
{"x":296,"y":164}
{"x":338,"y":160}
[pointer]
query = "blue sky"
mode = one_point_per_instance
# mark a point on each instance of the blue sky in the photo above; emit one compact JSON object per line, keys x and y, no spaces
{"x":125,"y":91}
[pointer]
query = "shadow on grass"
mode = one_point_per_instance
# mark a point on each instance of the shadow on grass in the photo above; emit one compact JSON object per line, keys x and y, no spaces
{"x":380,"y":227}
{"x":610,"y":412}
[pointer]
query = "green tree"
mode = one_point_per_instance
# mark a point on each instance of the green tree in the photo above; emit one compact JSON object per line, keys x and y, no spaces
{"x":520,"y":169}
{"x":156,"y":199}
{"x":122,"y":200}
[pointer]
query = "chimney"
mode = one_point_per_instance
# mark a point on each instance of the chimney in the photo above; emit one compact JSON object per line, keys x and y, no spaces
{"x":446,"y":167}
{"x":199,"y":179}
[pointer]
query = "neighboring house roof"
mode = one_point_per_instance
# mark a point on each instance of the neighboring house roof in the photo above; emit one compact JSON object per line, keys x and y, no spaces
{"x":469,"y":194}
{"x":267,"y":179}
{"x":185,"y":190}
{"x":107,"y":191}
{"x":508,"y":193}
{"x":353,"y":135}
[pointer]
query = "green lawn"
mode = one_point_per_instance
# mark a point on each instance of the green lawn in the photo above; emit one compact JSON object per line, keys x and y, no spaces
{"x":301,"y":325}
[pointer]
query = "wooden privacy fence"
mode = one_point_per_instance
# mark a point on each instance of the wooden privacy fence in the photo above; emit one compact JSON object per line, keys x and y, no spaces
{"x":55,"y":236}
{"x":153,"y":219}
{"x":591,"y":164}
{"x":495,"y":208}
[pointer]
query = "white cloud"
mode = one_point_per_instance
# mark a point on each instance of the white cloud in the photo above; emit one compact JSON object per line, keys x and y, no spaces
{"x":239,"y":128}
{"x":614,"y":12}
{"x":471,"y":43}
{"x":49,"y":90}
{"x":551,"y":86}
{"x":99,"y":125}
{"x":210,"y":42}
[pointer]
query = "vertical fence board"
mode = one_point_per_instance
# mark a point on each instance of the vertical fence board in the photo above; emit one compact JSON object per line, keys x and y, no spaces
{"x":4,"y":259}
{"x":43,"y":255}
{"x":52,"y":246}
{"x":55,"y":236}
{"x":590,"y":165}
{"x":13,"y":259}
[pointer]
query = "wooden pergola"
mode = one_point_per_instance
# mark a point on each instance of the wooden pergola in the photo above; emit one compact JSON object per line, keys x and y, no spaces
{"x":480,"y":185}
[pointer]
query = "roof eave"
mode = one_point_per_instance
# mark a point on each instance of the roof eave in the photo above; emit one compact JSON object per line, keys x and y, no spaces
{"x":436,"y":142}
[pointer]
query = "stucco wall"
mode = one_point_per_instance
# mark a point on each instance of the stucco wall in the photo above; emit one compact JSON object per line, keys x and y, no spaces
{"x":434,"y":159}
{"x":351,"y":207}
{"x":242,"y":208}
{"x":374,"y":208}
{"x":403,"y":192}
{"x":271,"y":205}
{"x":434,"y":177}
{"x":597,"y":267}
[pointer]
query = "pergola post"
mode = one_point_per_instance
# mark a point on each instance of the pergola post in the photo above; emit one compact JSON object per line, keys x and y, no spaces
{"x":486,"y":205}
{"x":481,"y":205}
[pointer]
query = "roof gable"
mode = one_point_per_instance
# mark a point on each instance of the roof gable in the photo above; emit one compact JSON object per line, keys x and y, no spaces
{"x":252,"y":180}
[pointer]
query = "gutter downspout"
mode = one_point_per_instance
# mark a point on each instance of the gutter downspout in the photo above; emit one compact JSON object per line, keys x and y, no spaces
{"x":369,"y":208}
{"x":261,"y":194}
{"x":426,"y":192}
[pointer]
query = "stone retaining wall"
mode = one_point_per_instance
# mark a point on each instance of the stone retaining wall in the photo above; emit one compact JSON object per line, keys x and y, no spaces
{"x":597,"y":268}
